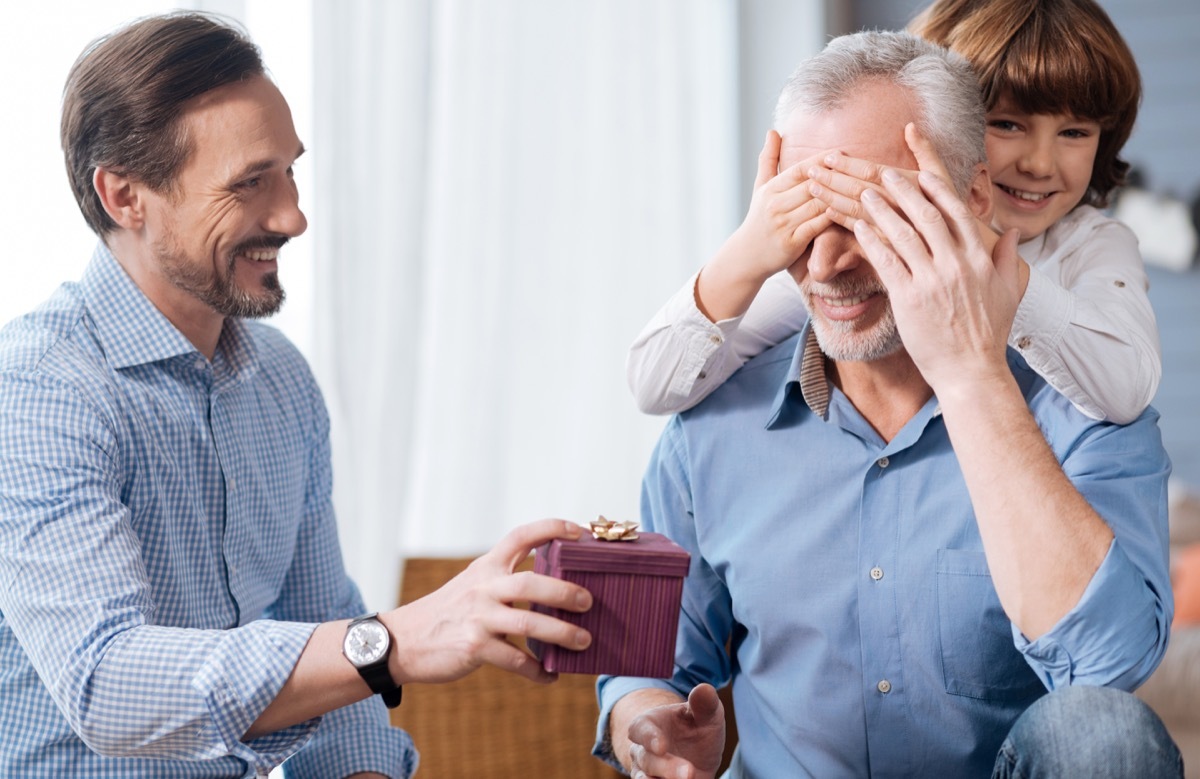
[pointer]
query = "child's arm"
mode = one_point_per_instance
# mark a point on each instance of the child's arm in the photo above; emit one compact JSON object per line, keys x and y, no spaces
{"x":681,"y":356}
{"x":1085,"y":321}
{"x":740,"y":303}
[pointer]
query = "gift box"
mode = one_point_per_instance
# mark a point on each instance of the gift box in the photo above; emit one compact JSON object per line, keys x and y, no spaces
{"x":636,"y":587}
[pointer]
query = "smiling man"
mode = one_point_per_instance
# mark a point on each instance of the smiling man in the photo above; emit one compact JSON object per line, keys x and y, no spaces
{"x":206,"y":247}
{"x":911,"y":556}
{"x":172,"y":596}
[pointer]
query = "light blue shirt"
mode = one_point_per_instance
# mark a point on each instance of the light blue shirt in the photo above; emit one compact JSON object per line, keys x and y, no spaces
{"x":167,"y":546}
{"x":848,"y":576}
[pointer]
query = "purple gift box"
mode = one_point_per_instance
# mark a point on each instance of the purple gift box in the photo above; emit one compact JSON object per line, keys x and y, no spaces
{"x":636,"y":588}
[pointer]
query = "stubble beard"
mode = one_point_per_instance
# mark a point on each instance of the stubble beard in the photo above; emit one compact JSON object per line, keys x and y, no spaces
{"x":846,"y":341}
{"x":219,"y":291}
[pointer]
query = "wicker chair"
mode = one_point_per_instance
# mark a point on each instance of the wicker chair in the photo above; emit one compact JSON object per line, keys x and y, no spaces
{"x":494,"y":724}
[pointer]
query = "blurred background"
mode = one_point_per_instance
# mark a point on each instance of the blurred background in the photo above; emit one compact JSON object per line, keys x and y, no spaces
{"x":500,"y":194}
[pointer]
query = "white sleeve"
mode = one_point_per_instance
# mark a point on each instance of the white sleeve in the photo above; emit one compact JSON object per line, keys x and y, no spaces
{"x":681,"y":356}
{"x":1091,"y":332}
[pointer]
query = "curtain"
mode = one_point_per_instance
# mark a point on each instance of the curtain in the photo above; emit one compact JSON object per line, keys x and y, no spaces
{"x":508,"y":189}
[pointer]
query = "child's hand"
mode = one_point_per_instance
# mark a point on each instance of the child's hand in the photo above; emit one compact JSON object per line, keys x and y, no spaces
{"x":839,"y":181}
{"x":780,"y":225}
{"x":783,"y":217}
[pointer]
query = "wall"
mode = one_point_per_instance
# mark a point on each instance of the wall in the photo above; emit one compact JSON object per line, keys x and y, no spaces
{"x":1165,"y":39}
{"x":774,"y":36}
{"x":1175,"y":298}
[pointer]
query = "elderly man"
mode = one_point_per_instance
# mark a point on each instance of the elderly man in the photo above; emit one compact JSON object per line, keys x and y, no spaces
{"x":901,"y":537}
{"x":172,"y":596}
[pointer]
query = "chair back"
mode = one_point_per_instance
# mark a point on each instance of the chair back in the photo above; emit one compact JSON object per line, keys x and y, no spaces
{"x":494,"y":724}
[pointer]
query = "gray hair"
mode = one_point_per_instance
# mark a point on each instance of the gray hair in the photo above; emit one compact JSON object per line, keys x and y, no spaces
{"x":946,"y":88}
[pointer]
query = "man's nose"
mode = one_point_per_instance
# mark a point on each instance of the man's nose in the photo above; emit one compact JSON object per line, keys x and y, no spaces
{"x":834,"y":252}
{"x":283,"y":215}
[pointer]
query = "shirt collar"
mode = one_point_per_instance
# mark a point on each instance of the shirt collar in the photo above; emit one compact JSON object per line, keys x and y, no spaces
{"x":814,"y":383}
{"x":806,"y":373}
{"x":133,"y":331}
{"x":237,"y":357}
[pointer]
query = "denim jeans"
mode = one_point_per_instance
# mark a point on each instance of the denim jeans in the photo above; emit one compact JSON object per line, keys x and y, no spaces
{"x":1091,"y":732}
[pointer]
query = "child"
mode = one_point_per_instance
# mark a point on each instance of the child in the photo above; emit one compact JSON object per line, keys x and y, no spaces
{"x":1061,"y":90}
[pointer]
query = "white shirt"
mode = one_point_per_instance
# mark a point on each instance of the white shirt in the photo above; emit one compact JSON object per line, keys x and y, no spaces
{"x":1085,"y":324}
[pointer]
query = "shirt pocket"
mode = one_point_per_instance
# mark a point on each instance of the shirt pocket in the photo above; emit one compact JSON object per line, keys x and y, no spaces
{"x":978,"y":656}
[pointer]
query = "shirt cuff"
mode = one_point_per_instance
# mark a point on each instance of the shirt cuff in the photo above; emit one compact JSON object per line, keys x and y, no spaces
{"x":1089,"y":645}
{"x":234,"y":701}
{"x":1042,"y":318}
{"x":356,"y":739}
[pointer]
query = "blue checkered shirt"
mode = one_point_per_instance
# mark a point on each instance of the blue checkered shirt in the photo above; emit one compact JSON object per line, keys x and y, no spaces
{"x":167,"y":545}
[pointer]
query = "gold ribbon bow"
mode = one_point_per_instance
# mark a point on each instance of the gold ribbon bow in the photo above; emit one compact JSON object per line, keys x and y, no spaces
{"x":608,"y":530}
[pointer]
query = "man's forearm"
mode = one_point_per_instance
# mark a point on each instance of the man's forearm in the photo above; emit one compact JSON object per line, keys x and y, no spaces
{"x":323,"y":680}
{"x":1043,"y":541}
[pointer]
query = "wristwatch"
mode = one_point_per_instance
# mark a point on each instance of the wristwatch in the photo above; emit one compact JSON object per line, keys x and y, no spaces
{"x":367,"y":645}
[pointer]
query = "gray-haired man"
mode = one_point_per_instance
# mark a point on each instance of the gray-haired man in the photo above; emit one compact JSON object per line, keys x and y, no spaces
{"x":901,"y":536}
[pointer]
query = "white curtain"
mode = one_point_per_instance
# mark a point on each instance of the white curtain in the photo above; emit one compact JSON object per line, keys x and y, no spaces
{"x":507,"y":190}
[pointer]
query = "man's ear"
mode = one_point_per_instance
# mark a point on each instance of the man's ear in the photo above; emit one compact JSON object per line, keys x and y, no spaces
{"x":980,"y":196}
{"x":122,"y":198}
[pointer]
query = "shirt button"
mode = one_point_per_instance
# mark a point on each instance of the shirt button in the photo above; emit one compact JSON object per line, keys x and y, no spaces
{"x":715,"y":339}
{"x":876,"y":573}
{"x":200,"y":364}
{"x":1024,"y":341}
{"x":702,"y":375}
{"x":884,"y":686}
{"x":883,"y":462}
{"x":1119,"y":284}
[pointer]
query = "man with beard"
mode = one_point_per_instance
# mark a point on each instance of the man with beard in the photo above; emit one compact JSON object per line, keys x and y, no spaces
{"x":902,"y":538}
{"x":172,"y":595}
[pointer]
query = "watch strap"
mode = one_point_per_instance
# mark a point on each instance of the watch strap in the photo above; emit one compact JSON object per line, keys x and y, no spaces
{"x":376,"y":675}
{"x":380,"y":681}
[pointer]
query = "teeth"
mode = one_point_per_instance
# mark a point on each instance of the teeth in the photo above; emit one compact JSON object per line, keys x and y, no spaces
{"x":1033,"y":197}
{"x":844,"y":302}
{"x":262,"y":255}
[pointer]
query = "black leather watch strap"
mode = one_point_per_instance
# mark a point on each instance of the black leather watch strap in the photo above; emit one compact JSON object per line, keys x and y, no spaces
{"x":380,"y":682}
{"x":376,"y":675}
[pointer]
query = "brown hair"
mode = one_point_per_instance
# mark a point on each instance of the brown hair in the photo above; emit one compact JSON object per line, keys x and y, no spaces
{"x":1048,"y":57}
{"x":126,"y":92}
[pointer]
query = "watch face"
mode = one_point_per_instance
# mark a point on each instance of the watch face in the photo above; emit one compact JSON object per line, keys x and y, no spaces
{"x":366,"y":643}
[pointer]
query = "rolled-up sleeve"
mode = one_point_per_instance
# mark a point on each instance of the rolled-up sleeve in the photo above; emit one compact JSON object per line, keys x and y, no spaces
{"x":681,"y":356}
{"x":1088,"y":327}
{"x":360,"y":737}
{"x":1117,"y":633}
